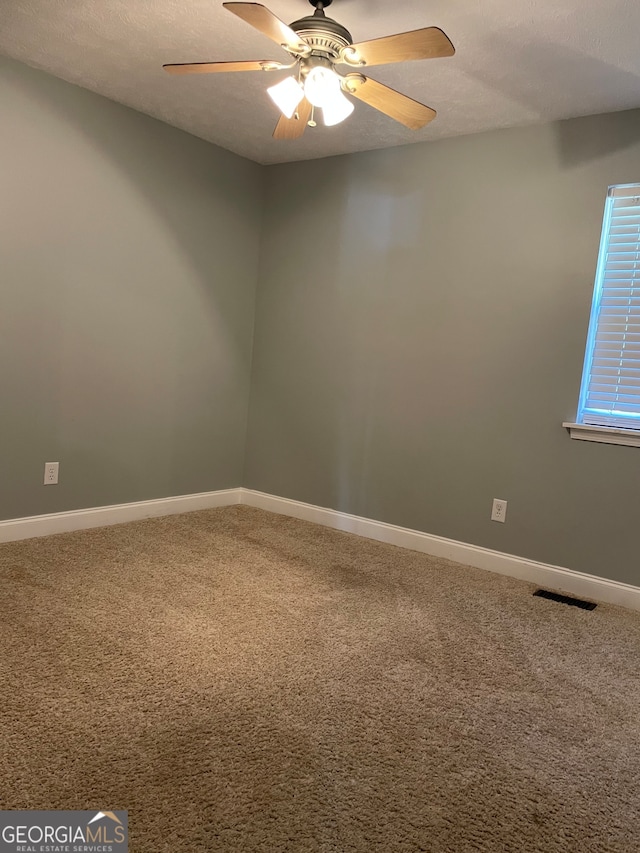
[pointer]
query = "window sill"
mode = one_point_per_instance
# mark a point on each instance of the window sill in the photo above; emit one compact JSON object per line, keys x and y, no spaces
{"x":605,"y":435}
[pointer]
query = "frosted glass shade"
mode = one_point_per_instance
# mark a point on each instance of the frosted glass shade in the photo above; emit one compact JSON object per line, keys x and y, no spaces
{"x":321,"y":86}
{"x":337,"y":110}
{"x":286,"y":95}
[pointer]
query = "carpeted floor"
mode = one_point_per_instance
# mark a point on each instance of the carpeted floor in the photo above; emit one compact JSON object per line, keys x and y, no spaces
{"x":240,"y":681}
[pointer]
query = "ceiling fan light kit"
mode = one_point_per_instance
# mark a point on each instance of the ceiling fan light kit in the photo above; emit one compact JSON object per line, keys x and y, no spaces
{"x":317,"y":44}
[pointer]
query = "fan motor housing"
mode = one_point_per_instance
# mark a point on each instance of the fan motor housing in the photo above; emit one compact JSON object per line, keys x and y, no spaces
{"x":323,"y":35}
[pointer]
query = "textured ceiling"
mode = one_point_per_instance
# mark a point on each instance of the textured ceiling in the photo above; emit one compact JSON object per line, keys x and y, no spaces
{"x":517,"y":63}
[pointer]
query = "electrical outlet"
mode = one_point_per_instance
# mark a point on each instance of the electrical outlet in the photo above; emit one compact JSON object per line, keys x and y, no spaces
{"x":51,"y":473}
{"x":499,"y":510}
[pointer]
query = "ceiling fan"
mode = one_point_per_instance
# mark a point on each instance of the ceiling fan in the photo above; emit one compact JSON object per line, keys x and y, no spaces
{"x":316,"y":45}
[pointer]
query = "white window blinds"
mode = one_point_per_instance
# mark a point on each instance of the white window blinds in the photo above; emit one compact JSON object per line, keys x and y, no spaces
{"x":610,"y":392}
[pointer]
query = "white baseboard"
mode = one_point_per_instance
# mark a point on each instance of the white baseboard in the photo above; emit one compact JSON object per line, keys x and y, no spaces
{"x":541,"y":574}
{"x":102,"y":516}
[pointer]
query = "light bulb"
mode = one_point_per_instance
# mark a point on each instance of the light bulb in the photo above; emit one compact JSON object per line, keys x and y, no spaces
{"x":321,"y":86}
{"x":286,"y":94}
{"x":338,"y":109}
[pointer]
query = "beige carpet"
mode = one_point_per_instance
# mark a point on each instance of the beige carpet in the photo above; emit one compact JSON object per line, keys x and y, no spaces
{"x":245,"y":682}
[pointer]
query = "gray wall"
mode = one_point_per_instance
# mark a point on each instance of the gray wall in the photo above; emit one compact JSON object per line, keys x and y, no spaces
{"x":420,"y":324}
{"x":128,"y":265}
{"x":420,"y":329}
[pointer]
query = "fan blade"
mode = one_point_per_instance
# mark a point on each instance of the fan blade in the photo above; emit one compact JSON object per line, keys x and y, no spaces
{"x":399,"y":107}
{"x":430,"y":43}
{"x":215,"y":67}
{"x":259,"y":17}
{"x":293,"y":128}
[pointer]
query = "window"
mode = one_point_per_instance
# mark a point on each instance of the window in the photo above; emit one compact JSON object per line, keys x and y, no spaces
{"x":610,"y":390}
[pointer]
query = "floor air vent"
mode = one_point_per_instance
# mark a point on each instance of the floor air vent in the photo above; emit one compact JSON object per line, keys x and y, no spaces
{"x":565,"y":599}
